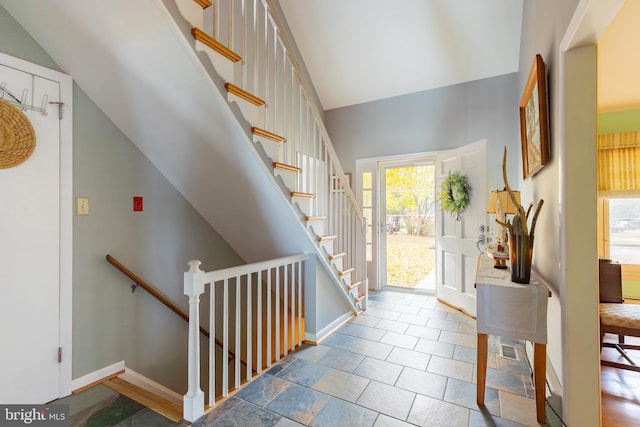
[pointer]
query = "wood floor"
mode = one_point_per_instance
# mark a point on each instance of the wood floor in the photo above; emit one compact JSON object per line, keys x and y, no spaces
{"x":620,"y":391}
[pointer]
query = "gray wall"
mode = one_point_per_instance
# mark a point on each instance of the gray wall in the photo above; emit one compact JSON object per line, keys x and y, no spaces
{"x":433,"y":120}
{"x":109,"y":322}
{"x":566,"y":228}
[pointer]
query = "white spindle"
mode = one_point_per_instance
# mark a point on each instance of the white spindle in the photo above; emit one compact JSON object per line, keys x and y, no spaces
{"x":237,"y":328}
{"x":277,"y":316}
{"x":293,"y":307}
{"x":259,"y":324}
{"x":230,"y":14}
{"x":225,"y":338}
{"x":300,"y":331}
{"x":216,"y":20}
{"x":269,"y":331}
{"x":285,"y":310}
{"x":249,"y":327}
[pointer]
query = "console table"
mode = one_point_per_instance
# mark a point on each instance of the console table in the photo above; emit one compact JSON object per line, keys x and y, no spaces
{"x":511,"y":310}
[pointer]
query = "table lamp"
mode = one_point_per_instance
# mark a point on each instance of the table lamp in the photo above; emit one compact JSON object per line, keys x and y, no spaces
{"x":501,"y":205}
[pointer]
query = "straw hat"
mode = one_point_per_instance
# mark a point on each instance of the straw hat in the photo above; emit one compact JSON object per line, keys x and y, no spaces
{"x":17,"y":137}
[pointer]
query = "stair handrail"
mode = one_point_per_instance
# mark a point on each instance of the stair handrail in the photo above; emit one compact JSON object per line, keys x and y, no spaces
{"x":162,"y":298}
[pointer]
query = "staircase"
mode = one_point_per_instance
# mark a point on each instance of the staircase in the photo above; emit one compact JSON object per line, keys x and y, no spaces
{"x":212,"y":97}
{"x":263,"y":82}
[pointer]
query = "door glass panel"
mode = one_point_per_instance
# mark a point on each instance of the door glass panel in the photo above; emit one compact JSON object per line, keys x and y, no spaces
{"x":410,"y":225}
{"x":367,"y":212}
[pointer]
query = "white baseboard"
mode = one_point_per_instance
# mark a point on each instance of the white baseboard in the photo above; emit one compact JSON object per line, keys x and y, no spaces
{"x":316,"y":339}
{"x":97,"y":375}
{"x":151,"y":386}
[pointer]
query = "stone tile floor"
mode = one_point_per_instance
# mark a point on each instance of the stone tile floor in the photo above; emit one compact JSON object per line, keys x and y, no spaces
{"x":100,"y":406}
{"x":408,"y":360}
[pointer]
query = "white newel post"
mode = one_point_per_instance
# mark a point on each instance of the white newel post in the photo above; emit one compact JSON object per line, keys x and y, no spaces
{"x":193,"y":288}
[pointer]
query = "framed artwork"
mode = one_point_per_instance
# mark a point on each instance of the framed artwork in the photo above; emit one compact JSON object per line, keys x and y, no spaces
{"x":534,"y":120}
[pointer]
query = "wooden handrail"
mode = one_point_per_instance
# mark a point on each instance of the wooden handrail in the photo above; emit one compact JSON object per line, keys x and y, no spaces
{"x":160,"y":297}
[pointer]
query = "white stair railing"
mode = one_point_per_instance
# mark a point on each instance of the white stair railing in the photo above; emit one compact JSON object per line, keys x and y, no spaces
{"x":255,"y":310}
{"x":269,"y":71}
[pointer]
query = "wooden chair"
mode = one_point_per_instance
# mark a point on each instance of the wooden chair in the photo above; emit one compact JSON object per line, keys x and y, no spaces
{"x":616,"y":317}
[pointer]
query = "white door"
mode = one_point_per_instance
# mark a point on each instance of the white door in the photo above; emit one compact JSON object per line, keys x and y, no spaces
{"x":32,"y":251}
{"x":456,"y":241}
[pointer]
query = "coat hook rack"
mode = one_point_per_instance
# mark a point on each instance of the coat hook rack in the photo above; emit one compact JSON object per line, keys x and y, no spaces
{"x":20,"y":103}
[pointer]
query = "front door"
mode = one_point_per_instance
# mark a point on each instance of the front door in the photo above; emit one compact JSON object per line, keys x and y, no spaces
{"x":457,"y":240}
{"x":35,"y":238}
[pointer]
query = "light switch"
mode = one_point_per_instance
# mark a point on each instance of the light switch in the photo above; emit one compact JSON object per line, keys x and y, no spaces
{"x":82,"y":206}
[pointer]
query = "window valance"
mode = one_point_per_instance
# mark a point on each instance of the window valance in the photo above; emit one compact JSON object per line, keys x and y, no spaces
{"x":619,"y":165}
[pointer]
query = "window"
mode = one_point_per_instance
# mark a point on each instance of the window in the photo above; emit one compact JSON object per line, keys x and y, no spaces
{"x":620,"y":234}
{"x":367,"y":212}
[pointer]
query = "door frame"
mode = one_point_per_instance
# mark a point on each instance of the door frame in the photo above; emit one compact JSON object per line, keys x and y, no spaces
{"x":372,"y":164}
{"x":66,"y":211}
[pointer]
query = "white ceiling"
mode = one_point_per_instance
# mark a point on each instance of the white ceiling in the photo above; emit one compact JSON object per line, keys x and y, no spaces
{"x":363,"y":50}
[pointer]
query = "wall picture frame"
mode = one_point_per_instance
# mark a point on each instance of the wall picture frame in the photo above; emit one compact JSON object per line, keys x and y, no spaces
{"x":534,"y":120}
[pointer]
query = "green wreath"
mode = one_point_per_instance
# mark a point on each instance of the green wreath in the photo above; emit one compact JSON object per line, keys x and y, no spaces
{"x":454,"y":194}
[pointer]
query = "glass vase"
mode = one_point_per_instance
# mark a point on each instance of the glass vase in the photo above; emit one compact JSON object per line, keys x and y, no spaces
{"x":520,"y":254}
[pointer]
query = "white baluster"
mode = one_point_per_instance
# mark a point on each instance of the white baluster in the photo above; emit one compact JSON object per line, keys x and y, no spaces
{"x":237,"y":335}
{"x":300,"y":331}
{"x":259,"y":324}
{"x":194,"y":287}
{"x":277,"y":313}
{"x":269,"y":332}
{"x":249,"y":335}
{"x":285,"y":315}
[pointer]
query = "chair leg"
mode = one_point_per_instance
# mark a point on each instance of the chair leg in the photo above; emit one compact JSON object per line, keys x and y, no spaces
{"x":621,"y":339}
{"x":624,"y":354}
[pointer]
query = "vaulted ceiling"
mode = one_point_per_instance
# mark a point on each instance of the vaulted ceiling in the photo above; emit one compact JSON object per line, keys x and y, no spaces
{"x":358,"y":51}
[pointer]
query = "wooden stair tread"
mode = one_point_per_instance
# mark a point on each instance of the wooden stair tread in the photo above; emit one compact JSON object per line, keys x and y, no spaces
{"x":347,"y":271}
{"x":305,"y":195}
{"x":315,"y":218}
{"x":146,"y":398}
{"x":285,"y":167}
{"x":203,"y":3}
{"x":326,"y":238}
{"x":241,"y":93}
{"x":340,"y":255}
{"x":354,"y":285}
{"x":209,"y":41}
{"x":266,"y":134}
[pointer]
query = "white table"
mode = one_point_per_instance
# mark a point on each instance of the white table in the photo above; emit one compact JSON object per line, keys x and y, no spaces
{"x":511,"y":310}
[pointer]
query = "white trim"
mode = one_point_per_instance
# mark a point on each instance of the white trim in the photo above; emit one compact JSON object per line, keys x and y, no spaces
{"x":65,"y":384}
{"x":98,"y":375}
{"x":327,"y":330}
{"x":589,"y":21}
{"x":151,"y":386}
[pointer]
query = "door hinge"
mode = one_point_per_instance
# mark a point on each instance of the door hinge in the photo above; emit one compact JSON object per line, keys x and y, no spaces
{"x":59,"y":354}
{"x":60,"y":106}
